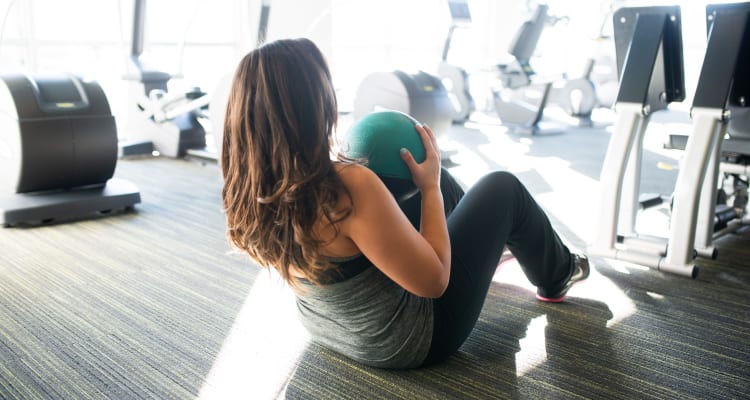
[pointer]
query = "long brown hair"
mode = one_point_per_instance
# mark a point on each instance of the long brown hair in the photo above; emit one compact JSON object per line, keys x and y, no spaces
{"x":279,"y":177}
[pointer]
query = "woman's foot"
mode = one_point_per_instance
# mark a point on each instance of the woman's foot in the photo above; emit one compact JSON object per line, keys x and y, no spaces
{"x":582,"y":271}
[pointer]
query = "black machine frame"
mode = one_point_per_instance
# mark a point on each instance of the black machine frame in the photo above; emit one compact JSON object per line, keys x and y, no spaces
{"x":656,"y":69}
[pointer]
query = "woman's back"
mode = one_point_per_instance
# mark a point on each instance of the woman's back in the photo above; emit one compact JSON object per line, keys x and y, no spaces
{"x":367,"y":316}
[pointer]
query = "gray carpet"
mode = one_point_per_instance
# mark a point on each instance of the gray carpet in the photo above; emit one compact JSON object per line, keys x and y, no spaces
{"x":127,"y":306}
{"x":152,"y":305}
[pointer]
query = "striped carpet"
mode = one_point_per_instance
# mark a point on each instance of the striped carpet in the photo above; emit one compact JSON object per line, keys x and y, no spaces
{"x":692,"y":343}
{"x":152,"y":305}
{"x":127,"y":306}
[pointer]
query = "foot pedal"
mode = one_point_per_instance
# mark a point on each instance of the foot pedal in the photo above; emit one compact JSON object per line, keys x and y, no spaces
{"x":135,"y":148}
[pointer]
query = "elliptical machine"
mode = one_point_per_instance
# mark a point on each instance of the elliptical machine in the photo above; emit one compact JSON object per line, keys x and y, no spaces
{"x":162,"y":122}
{"x":454,"y":78}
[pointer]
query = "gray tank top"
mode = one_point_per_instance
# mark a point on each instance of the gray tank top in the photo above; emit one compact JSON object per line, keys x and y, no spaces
{"x":368,"y":318}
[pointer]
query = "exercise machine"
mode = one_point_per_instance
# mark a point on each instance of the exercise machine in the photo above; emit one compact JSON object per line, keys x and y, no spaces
{"x":649,"y":55}
{"x":603,"y":66}
{"x":161,"y":121}
{"x":520,"y":99}
{"x":218,"y":107}
{"x":718,"y":143}
{"x":454,"y":78}
{"x":58,"y":151}
{"x":420,"y":95}
{"x":648,"y":44}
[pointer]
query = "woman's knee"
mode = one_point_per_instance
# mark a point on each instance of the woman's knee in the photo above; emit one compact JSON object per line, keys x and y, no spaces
{"x":503,"y":189}
{"x":501,"y":181}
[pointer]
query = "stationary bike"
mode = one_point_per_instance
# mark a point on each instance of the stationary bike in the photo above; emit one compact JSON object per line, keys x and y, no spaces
{"x":162,"y":121}
{"x":166,"y":123}
{"x":520,"y":98}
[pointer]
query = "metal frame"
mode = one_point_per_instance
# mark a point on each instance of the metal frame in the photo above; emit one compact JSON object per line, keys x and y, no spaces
{"x":649,"y":51}
{"x":717,"y":91}
{"x":691,"y":231}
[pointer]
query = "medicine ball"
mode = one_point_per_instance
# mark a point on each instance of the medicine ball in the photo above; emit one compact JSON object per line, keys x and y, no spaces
{"x":378,"y":138}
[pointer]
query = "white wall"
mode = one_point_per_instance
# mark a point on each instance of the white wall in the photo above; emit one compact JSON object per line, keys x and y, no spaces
{"x":310,"y":18}
{"x":204,"y":39}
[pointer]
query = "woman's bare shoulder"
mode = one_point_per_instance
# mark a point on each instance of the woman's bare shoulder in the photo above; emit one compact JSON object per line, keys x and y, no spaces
{"x":356,"y":176}
{"x":364,"y":186}
{"x":349,"y":169}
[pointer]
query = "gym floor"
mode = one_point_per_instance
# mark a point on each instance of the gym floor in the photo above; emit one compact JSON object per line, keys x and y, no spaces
{"x":154,"y":304}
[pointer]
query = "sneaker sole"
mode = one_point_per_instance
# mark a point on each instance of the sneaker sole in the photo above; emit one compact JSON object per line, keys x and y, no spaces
{"x":551,"y":299}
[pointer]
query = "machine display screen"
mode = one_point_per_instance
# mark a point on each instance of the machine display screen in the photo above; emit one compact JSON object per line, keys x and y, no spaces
{"x":459,"y":11}
{"x":55,"y":94}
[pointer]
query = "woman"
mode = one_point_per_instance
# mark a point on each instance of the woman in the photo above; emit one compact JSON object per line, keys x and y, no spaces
{"x":387,"y":287}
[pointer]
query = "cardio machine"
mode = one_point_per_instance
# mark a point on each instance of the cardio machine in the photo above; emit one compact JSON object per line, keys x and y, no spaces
{"x":161,"y":121}
{"x":58,"y":151}
{"x":420,"y":95}
{"x":650,"y":62}
{"x":454,"y":78}
{"x":520,"y":99}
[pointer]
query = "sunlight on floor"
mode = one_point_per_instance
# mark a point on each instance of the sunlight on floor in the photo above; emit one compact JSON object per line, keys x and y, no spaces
{"x":499,"y":152}
{"x":596,"y":287}
{"x":470,"y":168}
{"x":262,"y":347}
{"x":533,"y":348}
{"x":655,"y":296}
{"x":569,"y":193}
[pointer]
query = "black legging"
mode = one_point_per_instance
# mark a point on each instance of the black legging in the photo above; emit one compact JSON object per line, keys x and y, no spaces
{"x":496,"y":212}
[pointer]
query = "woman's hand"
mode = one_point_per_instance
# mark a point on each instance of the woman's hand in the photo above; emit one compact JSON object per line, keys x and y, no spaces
{"x":419,"y":261}
{"x":427,"y":174}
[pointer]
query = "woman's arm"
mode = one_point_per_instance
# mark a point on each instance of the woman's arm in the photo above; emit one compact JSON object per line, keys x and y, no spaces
{"x":418,"y":261}
{"x":427,"y":178}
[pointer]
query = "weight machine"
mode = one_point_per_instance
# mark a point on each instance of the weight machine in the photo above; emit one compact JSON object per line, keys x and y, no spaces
{"x":649,"y":53}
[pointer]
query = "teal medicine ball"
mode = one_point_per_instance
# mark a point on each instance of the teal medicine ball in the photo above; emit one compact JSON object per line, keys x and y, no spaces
{"x":378,"y":138}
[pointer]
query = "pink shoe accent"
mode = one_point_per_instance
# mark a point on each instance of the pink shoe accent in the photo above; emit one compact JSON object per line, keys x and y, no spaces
{"x":550,"y":300}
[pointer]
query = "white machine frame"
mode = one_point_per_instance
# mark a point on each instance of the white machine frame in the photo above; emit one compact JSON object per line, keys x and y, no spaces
{"x":691,"y":232}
